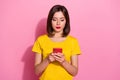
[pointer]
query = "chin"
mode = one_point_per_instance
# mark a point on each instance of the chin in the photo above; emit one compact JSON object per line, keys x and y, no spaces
{"x":57,"y":31}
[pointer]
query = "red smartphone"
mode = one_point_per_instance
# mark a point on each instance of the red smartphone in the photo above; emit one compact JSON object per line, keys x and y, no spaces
{"x":56,"y":50}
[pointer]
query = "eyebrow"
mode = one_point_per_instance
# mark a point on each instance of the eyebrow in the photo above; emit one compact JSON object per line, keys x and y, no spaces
{"x":60,"y":17}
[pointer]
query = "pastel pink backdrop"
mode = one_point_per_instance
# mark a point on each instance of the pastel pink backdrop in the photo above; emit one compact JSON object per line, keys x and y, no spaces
{"x":96,"y":24}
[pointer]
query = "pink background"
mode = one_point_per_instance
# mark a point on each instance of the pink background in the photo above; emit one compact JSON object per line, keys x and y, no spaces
{"x":96,"y":24}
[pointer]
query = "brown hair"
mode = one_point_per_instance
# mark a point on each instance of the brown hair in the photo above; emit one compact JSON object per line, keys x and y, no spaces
{"x":57,"y":8}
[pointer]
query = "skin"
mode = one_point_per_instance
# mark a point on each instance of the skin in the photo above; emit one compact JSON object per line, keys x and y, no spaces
{"x":40,"y":64}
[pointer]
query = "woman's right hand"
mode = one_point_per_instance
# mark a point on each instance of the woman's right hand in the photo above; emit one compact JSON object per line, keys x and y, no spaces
{"x":51,"y":57}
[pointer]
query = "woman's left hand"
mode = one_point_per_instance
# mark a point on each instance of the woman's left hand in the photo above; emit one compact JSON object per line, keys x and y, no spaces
{"x":59,"y":57}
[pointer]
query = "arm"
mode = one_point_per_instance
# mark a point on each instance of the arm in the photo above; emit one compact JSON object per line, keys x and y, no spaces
{"x":72,"y":67}
{"x":41,"y":65}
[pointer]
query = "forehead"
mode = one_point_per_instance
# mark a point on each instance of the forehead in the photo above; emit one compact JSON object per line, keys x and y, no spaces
{"x":58,"y":15}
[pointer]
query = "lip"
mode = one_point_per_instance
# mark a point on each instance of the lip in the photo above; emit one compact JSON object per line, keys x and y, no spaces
{"x":58,"y":27}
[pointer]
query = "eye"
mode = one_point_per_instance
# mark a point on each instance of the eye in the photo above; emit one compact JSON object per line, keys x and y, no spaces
{"x":62,"y":19}
{"x":53,"y":19}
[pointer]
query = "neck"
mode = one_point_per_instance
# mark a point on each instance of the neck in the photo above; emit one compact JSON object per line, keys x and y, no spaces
{"x":58,"y":34}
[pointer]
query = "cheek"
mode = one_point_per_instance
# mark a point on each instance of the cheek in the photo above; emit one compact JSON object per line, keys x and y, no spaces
{"x":53,"y":24}
{"x":63,"y":24}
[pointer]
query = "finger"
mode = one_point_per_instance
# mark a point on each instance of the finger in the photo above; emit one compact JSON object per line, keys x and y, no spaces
{"x":59,"y":59}
{"x":51,"y":58}
{"x":54,"y":54}
{"x":59,"y":55}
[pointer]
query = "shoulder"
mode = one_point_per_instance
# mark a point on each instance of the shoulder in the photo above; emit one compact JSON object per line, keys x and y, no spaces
{"x":42,"y":37}
{"x":72,"y":38}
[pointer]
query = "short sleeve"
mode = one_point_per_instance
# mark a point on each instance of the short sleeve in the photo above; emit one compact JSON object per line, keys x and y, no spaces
{"x":37,"y":47}
{"x":76,"y":48}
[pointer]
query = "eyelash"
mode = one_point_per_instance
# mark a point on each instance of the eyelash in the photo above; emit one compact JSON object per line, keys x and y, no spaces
{"x":62,"y":20}
{"x":56,"y":20}
{"x":53,"y":19}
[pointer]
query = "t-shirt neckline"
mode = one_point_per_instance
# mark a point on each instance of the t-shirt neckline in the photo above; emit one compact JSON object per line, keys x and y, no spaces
{"x":58,"y":41}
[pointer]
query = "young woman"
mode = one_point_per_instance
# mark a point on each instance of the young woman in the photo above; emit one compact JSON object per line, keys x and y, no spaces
{"x":61,"y":64}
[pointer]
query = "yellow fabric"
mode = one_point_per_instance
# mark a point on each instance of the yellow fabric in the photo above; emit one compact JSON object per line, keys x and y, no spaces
{"x":54,"y":71}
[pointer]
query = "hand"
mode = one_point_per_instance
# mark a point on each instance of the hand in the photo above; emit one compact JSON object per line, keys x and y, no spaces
{"x":51,"y":57}
{"x":59,"y":57}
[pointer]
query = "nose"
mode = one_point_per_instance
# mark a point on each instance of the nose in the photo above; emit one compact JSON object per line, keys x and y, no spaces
{"x":58,"y":22}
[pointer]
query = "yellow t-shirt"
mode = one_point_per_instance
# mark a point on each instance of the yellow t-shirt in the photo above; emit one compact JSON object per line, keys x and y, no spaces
{"x":54,"y":71}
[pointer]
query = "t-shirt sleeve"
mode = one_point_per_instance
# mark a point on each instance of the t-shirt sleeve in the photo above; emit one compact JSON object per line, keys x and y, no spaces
{"x":76,"y":48}
{"x":37,"y":47}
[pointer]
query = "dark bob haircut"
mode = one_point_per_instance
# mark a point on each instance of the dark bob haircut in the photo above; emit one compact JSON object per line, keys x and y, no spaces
{"x":57,"y":8}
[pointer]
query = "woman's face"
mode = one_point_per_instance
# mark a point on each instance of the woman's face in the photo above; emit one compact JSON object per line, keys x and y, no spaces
{"x":58,"y":22}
